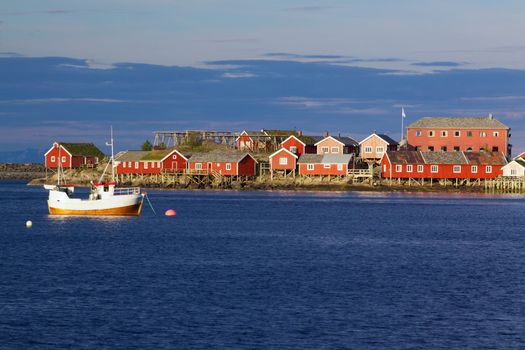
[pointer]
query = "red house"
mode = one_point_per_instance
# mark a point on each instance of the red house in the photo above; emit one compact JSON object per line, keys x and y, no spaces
{"x":325,"y":164}
{"x":480,"y":134}
{"x":299,"y":144}
{"x":442,"y":165}
{"x":150,"y":162}
{"x":72,"y":155}
{"x":224,"y":163}
{"x":252,"y":141}
{"x":283,"y":161}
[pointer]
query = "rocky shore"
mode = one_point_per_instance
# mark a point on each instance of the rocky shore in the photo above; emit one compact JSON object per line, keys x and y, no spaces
{"x":12,"y":171}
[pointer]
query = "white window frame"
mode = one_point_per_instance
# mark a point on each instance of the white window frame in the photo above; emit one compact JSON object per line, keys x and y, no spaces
{"x":339,"y":167}
{"x":228,"y":166}
{"x":384,"y":167}
{"x":380,"y":149}
{"x":309,"y":167}
{"x":198,"y":166}
{"x":434,"y":168}
{"x":368,"y":149}
{"x":488,"y":169}
{"x":513,"y":172}
{"x":283,"y":161}
{"x":431,"y":133}
{"x":399,"y":168}
{"x":293,"y":149}
{"x":327,"y":166}
{"x":456,"y":169}
{"x":474,"y":169}
{"x":124,"y":164}
{"x":420,"y":168}
{"x":53,"y":159}
{"x":458,"y":133}
{"x":335,"y":149}
{"x":63,"y":159}
{"x":136,"y":165}
{"x":482,"y":134}
{"x":410,"y":168}
{"x":325,"y":149}
{"x":444,"y":133}
{"x":174,"y":156}
{"x":495,"y":133}
{"x":418,"y":132}
{"x":145,"y":165}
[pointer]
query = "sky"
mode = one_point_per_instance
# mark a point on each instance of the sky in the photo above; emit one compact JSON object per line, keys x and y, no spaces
{"x":71,"y":68}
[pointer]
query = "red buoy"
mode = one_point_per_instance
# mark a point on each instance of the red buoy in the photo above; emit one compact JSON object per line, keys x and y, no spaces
{"x":170,"y":212}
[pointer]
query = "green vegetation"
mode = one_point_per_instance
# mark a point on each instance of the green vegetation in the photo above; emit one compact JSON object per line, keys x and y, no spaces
{"x":146,"y":146}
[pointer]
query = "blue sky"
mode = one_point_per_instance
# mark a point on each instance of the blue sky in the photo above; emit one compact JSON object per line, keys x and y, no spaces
{"x":71,"y":68}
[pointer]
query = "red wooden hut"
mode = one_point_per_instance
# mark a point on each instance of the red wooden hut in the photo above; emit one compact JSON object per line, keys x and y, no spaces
{"x":224,"y":163}
{"x":325,"y":164}
{"x":151,"y":162}
{"x":72,"y":155}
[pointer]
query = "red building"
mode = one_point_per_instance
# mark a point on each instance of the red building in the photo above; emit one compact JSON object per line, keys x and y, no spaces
{"x":300,"y":144}
{"x":283,"y":159}
{"x":150,"y":162}
{"x":442,"y":165}
{"x":325,"y":164}
{"x":72,"y":155}
{"x":224,"y":163}
{"x":459,"y":134}
{"x":252,"y":141}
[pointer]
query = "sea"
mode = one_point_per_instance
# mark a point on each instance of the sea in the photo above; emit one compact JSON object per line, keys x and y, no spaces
{"x":265,"y":270}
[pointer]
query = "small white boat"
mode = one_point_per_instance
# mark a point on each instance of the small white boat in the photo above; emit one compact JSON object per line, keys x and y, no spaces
{"x":105,"y":199}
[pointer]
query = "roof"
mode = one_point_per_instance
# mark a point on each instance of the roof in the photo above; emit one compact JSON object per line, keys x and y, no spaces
{"x":326,"y":158}
{"x":405,"y":157}
{"x":131,"y":156}
{"x":310,"y":139}
{"x":488,"y":158}
{"x":459,"y":123}
{"x":444,"y":157}
{"x":82,"y":149}
{"x":282,"y":150}
{"x":336,"y":158}
{"x":386,"y":138}
{"x":520,"y":162}
{"x":229,"y":157}
{"x":455,"y":158}
{"x":347,"y":141}
{"x":310,"y":158}
{"x":161,"y":154}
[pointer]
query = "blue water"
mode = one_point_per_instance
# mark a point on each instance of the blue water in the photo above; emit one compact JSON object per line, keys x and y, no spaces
{"x":266,"y":270}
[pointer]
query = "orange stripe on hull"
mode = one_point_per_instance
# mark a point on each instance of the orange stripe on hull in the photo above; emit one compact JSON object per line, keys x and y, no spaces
{"x":132,"y":210}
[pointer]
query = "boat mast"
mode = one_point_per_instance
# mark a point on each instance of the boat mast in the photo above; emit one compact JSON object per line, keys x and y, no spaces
{"x":59,"y":168}
{"x":112,"y":156}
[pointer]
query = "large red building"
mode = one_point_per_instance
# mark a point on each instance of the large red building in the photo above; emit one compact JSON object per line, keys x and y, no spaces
{"x":442,"y":165}
{"x":224,"y":163}
{"x":150,"y":162}
{"x":482,"y":134}
{"x":72,"y":155}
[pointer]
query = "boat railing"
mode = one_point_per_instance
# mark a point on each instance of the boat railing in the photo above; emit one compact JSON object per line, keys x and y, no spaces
{"x":121,"y":191}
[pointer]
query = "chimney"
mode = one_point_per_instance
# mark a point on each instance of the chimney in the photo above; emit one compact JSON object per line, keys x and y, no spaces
{"x":491,"y":116}
{"x":325,"y":134}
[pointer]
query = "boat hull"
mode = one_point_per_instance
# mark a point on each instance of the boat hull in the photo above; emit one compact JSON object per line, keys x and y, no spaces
{"x":130,"y":210}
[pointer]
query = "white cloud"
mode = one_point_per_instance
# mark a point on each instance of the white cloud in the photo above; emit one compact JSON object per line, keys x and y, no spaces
{"x":238,"y":75}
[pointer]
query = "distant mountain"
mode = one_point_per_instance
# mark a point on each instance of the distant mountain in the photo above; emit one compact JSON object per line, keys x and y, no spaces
{"x":28,"y":155}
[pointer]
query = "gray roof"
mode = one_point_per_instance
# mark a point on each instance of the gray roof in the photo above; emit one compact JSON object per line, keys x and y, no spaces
{"x":131,"y":156}
{"x":388,"y":139}
{"x":444,"y":158}
{"x":310,"y":158}
{"x":336,"y":158}
{"x":325,"y":158}
{"x":405,"y":157}
{"x":347,"y":141}
{"x":458,"y":123}
{"x":230,"y":157}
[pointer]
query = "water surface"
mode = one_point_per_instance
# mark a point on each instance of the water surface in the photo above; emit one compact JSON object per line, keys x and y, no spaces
{"x":270,"y":270}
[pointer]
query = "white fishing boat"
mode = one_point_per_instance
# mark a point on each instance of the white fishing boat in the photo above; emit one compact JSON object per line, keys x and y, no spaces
{"x":105,"y":198}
